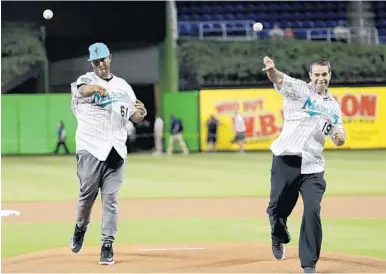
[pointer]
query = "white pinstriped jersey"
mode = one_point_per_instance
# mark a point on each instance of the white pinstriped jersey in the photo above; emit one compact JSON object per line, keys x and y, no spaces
{"x":308,"y":119}
{"x":102,"y":120}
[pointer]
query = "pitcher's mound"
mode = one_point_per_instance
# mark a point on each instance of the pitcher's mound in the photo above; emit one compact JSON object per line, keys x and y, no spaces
{"x":187,"y":258}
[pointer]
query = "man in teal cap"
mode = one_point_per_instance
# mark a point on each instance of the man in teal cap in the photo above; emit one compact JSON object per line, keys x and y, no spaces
{"x":103,"y":104}
{"x":100,"y":59}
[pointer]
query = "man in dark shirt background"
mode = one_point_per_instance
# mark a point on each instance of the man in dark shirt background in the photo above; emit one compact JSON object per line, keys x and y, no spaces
{"x":176,"y":131}
{"x":212,"y":125}
{"x":61,"y":138}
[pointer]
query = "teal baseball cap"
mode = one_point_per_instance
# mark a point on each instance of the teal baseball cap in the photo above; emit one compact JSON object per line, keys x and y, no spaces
{"x":98,"y":51}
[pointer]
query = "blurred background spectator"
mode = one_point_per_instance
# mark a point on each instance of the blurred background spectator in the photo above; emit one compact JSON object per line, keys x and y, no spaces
{"x":212,"y":125}
{"x":341,"y":32}
{"x":276,"y":32}
{"x":158,"y":135}
{"x":176,"y":135}
{"x":61,"y":132}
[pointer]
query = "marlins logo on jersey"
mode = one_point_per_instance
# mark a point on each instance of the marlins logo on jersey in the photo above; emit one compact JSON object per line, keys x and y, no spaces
{"x":110,"y":98}
{"x":313,"y":108}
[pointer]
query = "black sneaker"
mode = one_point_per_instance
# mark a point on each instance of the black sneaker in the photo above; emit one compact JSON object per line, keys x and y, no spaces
{"x":76,"y":242}
{"x":308,"y":269}
{"x":107,"y":253}
{"x":278,"y":250}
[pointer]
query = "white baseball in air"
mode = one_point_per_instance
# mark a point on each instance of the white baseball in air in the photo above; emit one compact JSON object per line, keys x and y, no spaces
{"x":48,"y":14}
{"x":257,"y":26}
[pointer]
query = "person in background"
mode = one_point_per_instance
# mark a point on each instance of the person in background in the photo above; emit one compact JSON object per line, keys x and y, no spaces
{"x":176,"y":131}
{"x":61,"y":138}
{"x":212,"y":125}
{"x":276,"y":32}
{"x":240,"y":128}
{"x":341,"y":32}
{"x":288,"y":32}
{"x":158,"y":135}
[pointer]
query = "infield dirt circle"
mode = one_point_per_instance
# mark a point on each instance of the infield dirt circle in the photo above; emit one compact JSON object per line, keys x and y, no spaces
{"x":188,"y":257}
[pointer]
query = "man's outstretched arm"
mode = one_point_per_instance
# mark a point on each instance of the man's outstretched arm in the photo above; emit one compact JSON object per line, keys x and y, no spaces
{"x":274,"y":75}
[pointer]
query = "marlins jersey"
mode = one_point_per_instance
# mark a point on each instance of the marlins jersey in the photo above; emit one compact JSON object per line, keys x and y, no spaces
{"x":102,"y":120}
{"x":308,"y":119}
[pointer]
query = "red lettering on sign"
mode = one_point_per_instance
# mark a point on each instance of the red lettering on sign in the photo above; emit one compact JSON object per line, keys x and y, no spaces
{"x":368,"y":105}
{"x":350,"y":105}
{"x":249,"y":124}
{"x":268,"y":126}
{"x":364,"y":106}
{"x":252,"y":105}
{"x":227,"y":107}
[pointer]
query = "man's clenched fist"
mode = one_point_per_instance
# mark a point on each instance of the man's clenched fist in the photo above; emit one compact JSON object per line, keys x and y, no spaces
{"x":268,"y":62}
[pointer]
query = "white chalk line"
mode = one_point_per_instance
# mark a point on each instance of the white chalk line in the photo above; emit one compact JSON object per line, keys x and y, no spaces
{"x":8,"y":213}
{"x":172,"y":249}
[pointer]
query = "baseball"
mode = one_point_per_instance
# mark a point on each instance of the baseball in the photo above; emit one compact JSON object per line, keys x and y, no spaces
{"x":48,"y":14}
{"x":257,"y":26}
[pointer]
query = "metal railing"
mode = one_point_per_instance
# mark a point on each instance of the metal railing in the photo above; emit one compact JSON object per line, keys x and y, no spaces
{"x":220,"y":30}
{"x":367,"y":35}
{"x":205,"y":27}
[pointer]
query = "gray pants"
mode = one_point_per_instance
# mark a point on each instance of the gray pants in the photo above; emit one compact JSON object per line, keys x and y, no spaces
{"x":94,"y":174}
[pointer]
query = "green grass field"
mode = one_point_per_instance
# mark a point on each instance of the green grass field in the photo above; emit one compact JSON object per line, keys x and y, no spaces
{"x":199,"y":175}
{"x":49,"y":178}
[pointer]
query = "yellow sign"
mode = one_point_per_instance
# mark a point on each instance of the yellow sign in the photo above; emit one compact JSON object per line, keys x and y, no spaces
{"x":363,"y":114}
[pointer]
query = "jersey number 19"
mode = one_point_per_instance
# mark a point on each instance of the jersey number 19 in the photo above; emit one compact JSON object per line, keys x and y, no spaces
{"x":326,"y":128}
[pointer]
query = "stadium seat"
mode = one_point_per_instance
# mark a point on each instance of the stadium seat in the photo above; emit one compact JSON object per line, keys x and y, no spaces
{"x":301,"y":33}
{"x":239,"y":7}
{"x":382,"y":32}
{"x":183,"y":29}
{"x":308,"y":24}
{"x":286,"y":16}
{"x":207,"y":17}
{"x":218,"y":17}
{"x":320,"y":24}
{"x":217,"y":8}
{"x":261,"y":7}
{"x":240,"y":26}
{"x":194,"y":17}
{"x":299,"y":15}
{"x":264,"y":17}
{"x":308,"y":15}
{"x":274,"y":7}
{"x":296,"y":16}
{"x":251,"y":7}
{"x":331,"y":23}
{"x":266,"y":25}
{"x":183,"y":17}
{"x":239,"y":16}
{"x":230,"y":26}
{"x":298,"y":24}
{"x":318,"y":15}
{"x":251,"y":16}
{"x":228,"y":8}
{"x":228,"y":17}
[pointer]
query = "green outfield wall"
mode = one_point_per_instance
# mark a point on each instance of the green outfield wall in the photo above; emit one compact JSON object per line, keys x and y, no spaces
{"x":185,"y":106}
{"x":29,"y":123}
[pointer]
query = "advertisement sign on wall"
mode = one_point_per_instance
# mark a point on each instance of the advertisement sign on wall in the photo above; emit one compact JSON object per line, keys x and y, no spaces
{"x":363,"y":114}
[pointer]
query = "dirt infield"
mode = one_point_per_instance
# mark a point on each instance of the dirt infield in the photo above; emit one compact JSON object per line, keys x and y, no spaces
{"x":189,"y":258}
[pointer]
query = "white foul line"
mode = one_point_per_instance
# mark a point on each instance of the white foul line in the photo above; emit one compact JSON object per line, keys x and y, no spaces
{"x":171,"y":249}
{"x":8,"y":213}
